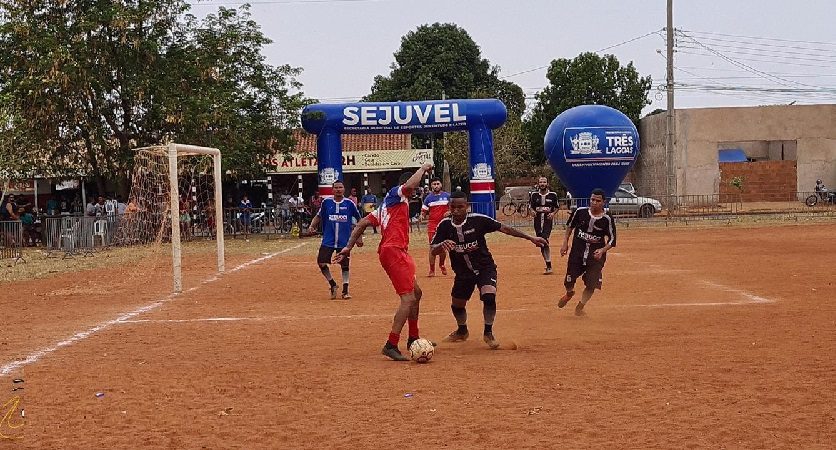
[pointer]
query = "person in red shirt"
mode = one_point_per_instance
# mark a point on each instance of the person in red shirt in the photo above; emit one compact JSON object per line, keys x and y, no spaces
{"x":436,"y":206}
{"x":393,"y":252}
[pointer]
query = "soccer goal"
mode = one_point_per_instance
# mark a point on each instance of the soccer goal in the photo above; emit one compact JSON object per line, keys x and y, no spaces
{"x":175,"y":196}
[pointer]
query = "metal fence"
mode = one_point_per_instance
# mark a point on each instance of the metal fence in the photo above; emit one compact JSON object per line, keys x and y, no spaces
{"x":11,"y":240}
{"x":82,"y":235}
{"x":688,"y":209}
{"x":270,"y":222}
{"x":79,"y":235}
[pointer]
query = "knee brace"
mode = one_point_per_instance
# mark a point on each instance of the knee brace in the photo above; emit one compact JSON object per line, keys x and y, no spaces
{"x":489,"y":301}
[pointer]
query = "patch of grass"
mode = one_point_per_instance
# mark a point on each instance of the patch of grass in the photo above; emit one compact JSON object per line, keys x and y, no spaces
{"x":37,"y":264}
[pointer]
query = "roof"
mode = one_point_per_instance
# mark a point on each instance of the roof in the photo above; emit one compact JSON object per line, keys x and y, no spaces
{"x":306,"y":142}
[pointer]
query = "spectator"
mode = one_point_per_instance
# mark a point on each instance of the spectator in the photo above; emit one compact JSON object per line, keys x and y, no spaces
{"x":51,"y":206}
{"x":185,"y":216}
{"x":27,"y":220}
{"x":316,"y":202}
{"x":368,"y":204}
{"x":353,"y":196}
{"x":99,"y":208}
{"x":90,"y":207}
{"x":121,"y":207}
{"x":246,"y":209}
{"x":9,"y":210}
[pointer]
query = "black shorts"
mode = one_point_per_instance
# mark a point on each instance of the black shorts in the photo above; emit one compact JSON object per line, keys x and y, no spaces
{"x":463,"y":285}
{"x":324,"y":256}
{"x":591,"y":271}
{"x":543,"y":226}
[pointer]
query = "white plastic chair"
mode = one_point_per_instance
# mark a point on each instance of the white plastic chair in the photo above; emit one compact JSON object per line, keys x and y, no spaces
{"x":100,"y":230}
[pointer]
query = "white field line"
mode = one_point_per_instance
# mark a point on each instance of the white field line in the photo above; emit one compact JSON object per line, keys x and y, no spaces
{"x":37,"y":355}
{"x":433,"y":313}
{"x":745,"y":294}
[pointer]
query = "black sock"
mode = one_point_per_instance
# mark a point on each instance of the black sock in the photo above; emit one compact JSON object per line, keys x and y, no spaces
{"x":548,"y":264}
{"x":462,"y":329}
{"x":488,"y":329}
{"x":345,"y":288}
{"x":332,"y":283}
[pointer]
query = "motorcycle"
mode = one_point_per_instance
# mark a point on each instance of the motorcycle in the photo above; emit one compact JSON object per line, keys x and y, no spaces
{"x":822,"y":194}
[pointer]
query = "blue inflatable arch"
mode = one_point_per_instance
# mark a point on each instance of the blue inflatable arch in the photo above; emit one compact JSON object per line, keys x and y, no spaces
{"x":477,"y":117}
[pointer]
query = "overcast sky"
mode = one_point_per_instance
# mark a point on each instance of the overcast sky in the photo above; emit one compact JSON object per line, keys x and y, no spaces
{"x":732,"y":53}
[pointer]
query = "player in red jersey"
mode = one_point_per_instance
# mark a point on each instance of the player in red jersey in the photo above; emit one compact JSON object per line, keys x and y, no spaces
{"x":436,"y":207}
{"x":393,"y":219}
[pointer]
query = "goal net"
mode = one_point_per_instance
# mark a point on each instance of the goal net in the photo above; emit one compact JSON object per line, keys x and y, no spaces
{"x":175,"y":197}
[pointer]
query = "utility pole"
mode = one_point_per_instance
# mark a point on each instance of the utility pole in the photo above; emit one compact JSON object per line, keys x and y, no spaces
{"x":669,"y":129}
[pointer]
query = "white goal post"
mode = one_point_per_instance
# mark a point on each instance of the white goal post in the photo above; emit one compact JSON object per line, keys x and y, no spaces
{"x":173,"y":152}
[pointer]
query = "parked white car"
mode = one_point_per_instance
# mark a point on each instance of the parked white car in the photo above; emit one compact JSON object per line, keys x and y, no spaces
{"x":626,"y":203}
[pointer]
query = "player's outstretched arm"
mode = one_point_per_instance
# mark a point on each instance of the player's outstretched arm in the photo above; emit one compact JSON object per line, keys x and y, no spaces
{"x":416,"y":177}
{"x":355,"y":236}
{"x":511,"y":231}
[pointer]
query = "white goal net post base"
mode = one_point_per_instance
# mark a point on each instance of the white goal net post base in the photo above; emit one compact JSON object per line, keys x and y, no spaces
{"x":174,"y":152}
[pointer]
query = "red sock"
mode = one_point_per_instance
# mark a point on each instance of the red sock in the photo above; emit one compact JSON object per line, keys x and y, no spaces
{"x":413,"y":328}
{"x":432,"y":267}
{"x":394,"y":338}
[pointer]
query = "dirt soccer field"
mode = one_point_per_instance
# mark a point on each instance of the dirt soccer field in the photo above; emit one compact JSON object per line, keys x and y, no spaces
{"x":716,"y":337}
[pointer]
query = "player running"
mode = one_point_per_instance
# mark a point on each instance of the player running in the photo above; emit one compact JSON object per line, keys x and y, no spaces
{"x":436,"y":206}
{"x":393,"y":252}
{"x":463,"y":235}
{"x":337,"y":215}
{"x":544,"y":204}
{"x":594,"y":234}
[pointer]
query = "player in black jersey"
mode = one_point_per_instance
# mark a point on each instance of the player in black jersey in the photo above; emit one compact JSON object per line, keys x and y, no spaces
{"x":463,"y":236}
{"x":544,"y":204}
{"x":593,"y":232}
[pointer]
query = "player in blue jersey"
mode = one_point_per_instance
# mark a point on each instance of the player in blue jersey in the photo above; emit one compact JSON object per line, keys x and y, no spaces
{"x":338,"y":216}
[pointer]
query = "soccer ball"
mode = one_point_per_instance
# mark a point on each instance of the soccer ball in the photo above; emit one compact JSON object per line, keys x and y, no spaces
{"x":421,"y":351}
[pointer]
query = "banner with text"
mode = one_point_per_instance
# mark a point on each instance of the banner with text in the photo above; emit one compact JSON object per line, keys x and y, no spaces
{"x":359,"y":161}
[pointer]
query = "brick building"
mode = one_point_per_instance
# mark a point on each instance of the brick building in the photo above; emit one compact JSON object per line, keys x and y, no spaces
{"x":787,"y":148}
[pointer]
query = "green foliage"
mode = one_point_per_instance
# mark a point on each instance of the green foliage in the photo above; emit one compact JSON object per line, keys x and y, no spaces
{"x":738,"y":182}
{"x":443,"y":59}
{"x":86,"y":81}
{"x":589,"y":79}
{"x":510,"y":153}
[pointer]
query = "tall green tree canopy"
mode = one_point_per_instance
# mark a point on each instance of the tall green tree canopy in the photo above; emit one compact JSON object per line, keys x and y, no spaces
{"x":589,"y":79}
{"x":88,"y":80}
{"x":443,"y":59}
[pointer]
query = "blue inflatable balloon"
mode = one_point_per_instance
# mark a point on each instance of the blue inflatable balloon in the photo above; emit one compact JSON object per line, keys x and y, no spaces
{"x":591,"y":146}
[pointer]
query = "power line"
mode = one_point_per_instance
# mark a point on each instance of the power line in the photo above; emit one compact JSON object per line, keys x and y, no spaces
{"x":757,"y":37}
{"x":766,"y":53}
{"x":770,"y":46}
{"x":772,"y":61}
{"x":774,"y":78}
{"x":596,"y":51}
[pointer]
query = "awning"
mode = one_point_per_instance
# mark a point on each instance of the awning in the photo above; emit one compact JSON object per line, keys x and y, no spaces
{"x":731,"y":155}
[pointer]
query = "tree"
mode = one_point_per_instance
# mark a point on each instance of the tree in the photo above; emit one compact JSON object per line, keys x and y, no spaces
{"x":442,"y":59}
{"x":89,"y":80}
{"x":510,"y":153}
{"x":587,"y":79}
